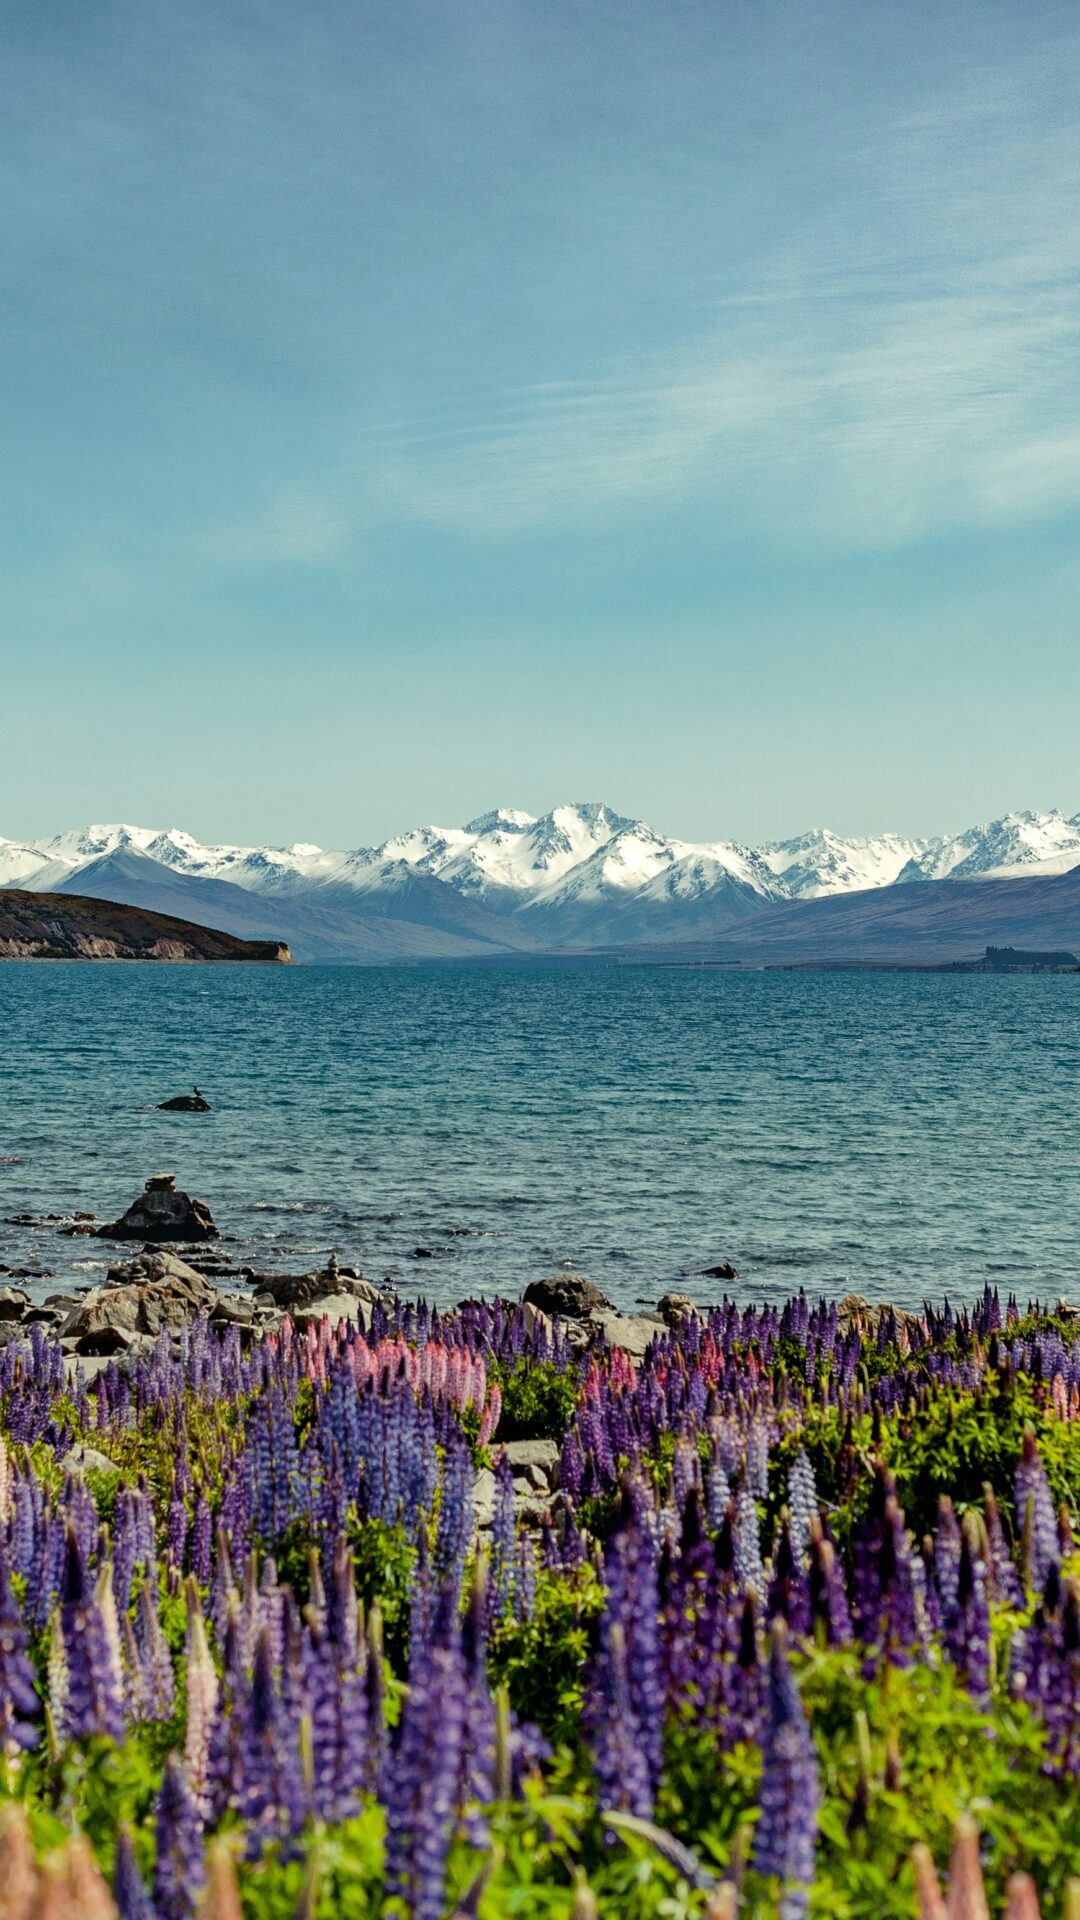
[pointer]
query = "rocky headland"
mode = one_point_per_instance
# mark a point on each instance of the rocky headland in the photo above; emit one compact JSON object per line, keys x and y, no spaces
{"x":64,"y":926}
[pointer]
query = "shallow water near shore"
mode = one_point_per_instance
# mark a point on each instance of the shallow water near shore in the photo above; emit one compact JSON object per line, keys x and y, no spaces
{"x":457,"y":1130}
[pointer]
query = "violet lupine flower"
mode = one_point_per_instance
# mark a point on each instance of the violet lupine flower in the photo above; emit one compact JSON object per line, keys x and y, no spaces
{"x":802,"y":1503}
{"x":621,"y":1768}
{"x":690,"y":1614}
{"x":749,"y":1567}
{"x":20,"y":1707}
{"x":158,"y":1696}
{"x":789,"y":1589}
{"x":828,"y":1596}
{"x":947,"y":1549}
{"x":1036,"y":1520}
{"x":423,"y":1779}
{"x":1046,"y":1672}
{"x":502,"y":1540}
{"x":742,"y":1680}
{"x":92,"y":1693}
{"x":786,"y":1834}
{"x":630,"y":1572}
{"x":129,"y":1887}
{"x":271,"y":1797}
{"x":885,"y":1595}
{"x":202,"y":1534}
{"x":179,"y":1871}
{"x":967,"y":1622}
{"x":477,"y":1784}
{"x":1004,"y":1581}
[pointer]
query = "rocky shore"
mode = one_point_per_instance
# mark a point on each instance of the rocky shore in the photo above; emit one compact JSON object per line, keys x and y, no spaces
{"x":180,"y":1270}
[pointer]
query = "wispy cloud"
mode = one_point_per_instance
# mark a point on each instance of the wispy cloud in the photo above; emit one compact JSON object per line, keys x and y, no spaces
{"x":910,"y":364}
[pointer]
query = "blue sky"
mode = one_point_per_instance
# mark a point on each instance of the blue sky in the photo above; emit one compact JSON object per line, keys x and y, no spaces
{"x":411,"y":408}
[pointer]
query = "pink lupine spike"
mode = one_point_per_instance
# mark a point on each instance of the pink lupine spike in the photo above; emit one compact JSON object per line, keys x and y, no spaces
{"x":967,"y":1895}
{"x":927,"y":1888}
{"x":18,"y":1875}
{"x":490,"y":1420}
{"x":1023,"y":1901}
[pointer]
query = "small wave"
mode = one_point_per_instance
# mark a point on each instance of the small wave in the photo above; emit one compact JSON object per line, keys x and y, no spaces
{"x":288,"y":1206}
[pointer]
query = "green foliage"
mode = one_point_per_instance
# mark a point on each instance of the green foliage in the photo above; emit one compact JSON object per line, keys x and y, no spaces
{"x":542,"y":1660}
{"x":539,"y":1401}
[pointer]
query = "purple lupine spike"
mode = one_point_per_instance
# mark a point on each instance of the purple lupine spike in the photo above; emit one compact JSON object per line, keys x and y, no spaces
{"x":129,"y":1887}
{"x":93,"y":1695}
{"x":749,"y":1567}
{"x":158,"y":1679}
{"x":828,"y":1597}
{"x":202,"y":1535}
{"x":789,"y":1590}
{"x":742,"y":1683}
{"x":1036,"y":1520}
{"x":477,"y":1784}
{"x":1003,"y":1579}
{"x":20,"y":1707}
{"x":947,"y":1550}
{"x":271,"y":1798}
{"x":179,"y":1872}
{"x":423,"y":1779}
{"x":502,"y":1540}
{"x":802,"y":1503}
{"x":967,"y":1621}
{"x":785,"y":1838}
{"x":622,"y":1772}
{"x":630,"y":1571}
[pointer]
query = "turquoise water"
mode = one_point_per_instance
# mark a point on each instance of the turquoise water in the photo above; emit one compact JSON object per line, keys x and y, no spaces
{"x":900,"y":1134}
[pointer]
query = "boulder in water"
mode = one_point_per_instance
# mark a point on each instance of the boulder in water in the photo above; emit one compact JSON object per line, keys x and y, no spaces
{"x":566,"y":1296}
{"x":186,"y":1103}
{"x":162,"y":1213}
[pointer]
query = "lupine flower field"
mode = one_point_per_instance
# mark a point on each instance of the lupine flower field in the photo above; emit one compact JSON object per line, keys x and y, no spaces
{"x":805,"y":1598}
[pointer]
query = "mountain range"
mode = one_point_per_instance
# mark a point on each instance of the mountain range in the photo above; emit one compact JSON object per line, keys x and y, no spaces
{"x":582,"y":879}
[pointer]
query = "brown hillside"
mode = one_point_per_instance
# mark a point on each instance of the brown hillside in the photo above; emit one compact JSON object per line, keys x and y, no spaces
{"x":65,"y":926}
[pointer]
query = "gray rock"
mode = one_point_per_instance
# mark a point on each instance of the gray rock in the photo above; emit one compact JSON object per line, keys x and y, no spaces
{"x":484,"y":1497}
{"x":335,"y":1307}
{"x":633,"y":1332}
{"x":566,"y":1296}
{"x":88,"y":1364}
{"x":536,"y":1320}
{"x":88,"y":1460}
{"x":155,"y":1266}
{"x":529,"y":1456}
{"x":675,"y":1307}
{"x":128,"y":1307}
{"x":290,"y":1291}
{"x":162,"y":1213}
{"x":13,"y":1303}
{"x":533,"y":1510}
{"x":232,"y":1310}
{"x":185,"y":1103}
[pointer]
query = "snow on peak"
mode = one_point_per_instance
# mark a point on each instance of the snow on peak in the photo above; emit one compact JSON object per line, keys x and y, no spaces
{"x":509,"y":819}
{"x":819,"y":861}
{"x":1021,"y":842}
{"x":581,"y":856}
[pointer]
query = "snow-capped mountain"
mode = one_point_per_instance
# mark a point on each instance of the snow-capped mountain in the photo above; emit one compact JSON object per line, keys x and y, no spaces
{"x":581,"y":876}
{"x":821,"y":862}
{"x":1018,"y":843}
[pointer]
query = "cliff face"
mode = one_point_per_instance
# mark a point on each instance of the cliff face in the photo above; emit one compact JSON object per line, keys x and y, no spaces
{"x":64,"y":926}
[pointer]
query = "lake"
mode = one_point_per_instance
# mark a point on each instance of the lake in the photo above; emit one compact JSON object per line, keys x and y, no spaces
{"x":457,"y":1129}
